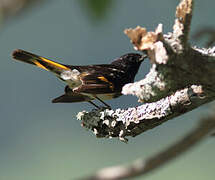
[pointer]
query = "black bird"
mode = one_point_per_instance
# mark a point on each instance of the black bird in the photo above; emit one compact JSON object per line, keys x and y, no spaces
{"x":90,"y":82}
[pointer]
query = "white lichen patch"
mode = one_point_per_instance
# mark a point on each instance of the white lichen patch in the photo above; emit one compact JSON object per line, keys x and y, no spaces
{"x":147,"y":88}
{"x":95,"y":131}
{"x":80,"y":115}
{"x":109,"y":123}
{"x":160,"y":53}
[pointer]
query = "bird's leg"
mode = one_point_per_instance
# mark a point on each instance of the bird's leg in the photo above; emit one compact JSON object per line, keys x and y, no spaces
{"x":108,"y":106}
{"x":93,"y":104}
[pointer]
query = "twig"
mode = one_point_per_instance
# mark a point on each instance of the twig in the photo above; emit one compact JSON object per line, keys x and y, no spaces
{"x":141,"y":167}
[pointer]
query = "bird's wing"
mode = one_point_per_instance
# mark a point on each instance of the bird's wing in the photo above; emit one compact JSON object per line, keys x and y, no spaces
{"x":95,"y":83}
{"x":100,"y":79}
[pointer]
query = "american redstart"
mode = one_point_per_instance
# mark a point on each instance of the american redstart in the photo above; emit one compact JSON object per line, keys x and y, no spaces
{"x":90,"y":82}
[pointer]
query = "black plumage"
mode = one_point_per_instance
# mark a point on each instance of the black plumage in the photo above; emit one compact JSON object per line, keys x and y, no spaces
{"x":86,"y":83}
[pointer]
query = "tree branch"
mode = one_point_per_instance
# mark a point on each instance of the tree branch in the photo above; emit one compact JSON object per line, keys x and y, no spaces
{"x":133,"y":121}
{"x":181,"y":78}
{"x":142,"y":167}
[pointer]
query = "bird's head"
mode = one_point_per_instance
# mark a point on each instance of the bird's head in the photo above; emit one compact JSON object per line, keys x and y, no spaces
{"x":129,"y":61}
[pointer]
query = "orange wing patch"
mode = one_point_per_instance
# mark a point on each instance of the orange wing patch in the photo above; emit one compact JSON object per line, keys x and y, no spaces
{"x":102,"y":78}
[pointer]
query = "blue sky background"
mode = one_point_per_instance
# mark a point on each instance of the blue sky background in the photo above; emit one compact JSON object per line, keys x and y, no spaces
{"x":44,"y":141}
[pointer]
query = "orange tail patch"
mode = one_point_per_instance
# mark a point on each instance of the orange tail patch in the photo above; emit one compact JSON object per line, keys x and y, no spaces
{"x":38,"y":61}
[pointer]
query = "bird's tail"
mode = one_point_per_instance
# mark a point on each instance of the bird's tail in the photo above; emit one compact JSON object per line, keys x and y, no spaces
{"x":39,"y":61}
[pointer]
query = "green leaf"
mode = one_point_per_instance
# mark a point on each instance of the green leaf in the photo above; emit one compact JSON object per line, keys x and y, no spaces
{"x":97,"y":9}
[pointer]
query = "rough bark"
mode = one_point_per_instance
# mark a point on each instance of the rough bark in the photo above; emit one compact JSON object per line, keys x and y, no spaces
{"x":142,"y":167}
{"x":181,"y":78}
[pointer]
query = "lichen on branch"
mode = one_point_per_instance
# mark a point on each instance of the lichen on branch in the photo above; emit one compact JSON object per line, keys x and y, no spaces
{"x":181,"y":78}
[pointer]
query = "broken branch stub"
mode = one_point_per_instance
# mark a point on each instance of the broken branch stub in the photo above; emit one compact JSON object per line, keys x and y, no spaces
{"x":169,"y":55}
{"x":181,"y":78}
